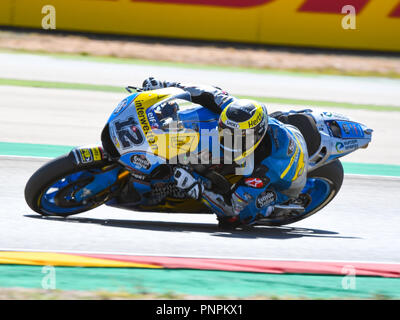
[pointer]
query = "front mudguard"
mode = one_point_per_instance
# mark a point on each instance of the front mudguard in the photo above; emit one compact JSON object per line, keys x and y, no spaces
{"x":88,"y":156}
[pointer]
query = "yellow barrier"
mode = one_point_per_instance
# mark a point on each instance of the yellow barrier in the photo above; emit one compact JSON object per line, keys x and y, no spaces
{"x":6,"y":12}
{"x":283,"y":22}
{"x":375,"y":28}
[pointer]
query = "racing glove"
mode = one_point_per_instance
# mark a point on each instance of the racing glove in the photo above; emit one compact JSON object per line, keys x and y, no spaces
{"x":152,"y":84}
{"x":188,"y":184}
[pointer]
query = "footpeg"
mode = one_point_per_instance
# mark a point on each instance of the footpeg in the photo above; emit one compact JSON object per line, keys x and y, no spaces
{"x":290,"y":207}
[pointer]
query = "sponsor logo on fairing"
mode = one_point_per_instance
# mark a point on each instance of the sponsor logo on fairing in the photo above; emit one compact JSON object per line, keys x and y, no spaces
{"x":346,"y":145}
{"x":140,"y":110}
{"x":140,"y":161}
{"x":265,"y":199}
{"x":121,"y":106}
{"x":152,"y":120}
{"x":88,"y":155}
{"x":339,"y":147}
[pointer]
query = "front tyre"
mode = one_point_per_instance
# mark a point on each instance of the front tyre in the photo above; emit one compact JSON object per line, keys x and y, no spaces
{"x":52,"y":188}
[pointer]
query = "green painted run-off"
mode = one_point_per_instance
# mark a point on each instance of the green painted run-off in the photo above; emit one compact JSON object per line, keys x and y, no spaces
{"x":33,"y":150}
{"x":200,"y":282}
{"x":277,"y":100}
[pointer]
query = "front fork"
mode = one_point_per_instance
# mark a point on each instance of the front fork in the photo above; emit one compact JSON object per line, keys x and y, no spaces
{"x":102,"y":182}
{"x":109,"y":177}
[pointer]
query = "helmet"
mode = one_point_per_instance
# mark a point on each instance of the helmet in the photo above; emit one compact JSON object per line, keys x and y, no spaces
{"x":242,"y":125}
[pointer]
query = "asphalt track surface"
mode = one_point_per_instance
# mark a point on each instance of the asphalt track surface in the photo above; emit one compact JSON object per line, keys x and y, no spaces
{"x":361,"y":224}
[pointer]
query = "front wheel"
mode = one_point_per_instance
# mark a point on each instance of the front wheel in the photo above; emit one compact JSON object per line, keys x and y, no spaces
{"x":53,"y":188}
{"x":323,"y":184}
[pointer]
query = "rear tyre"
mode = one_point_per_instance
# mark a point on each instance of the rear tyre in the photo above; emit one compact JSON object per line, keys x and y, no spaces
{"x":330,"y":177}
{"x":50,"y":189}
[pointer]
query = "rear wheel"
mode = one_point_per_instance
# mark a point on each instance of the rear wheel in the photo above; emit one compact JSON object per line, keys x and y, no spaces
{"x":52,"y":188}
{"x":323,"y":184}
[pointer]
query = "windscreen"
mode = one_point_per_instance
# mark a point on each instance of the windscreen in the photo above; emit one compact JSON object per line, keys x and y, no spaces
{"x":167,"y":115}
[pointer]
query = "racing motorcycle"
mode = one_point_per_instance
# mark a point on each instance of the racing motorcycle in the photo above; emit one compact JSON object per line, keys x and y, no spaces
{"x":132,"y":167}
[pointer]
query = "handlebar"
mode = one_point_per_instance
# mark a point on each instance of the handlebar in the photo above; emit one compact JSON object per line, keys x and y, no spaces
{"x":130,"y":88}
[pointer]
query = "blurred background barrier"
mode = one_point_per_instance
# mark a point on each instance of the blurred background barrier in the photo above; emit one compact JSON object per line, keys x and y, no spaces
{"x":344,"y":24}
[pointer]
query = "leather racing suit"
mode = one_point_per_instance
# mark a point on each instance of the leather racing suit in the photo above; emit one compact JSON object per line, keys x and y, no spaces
{"x":279,"y":172}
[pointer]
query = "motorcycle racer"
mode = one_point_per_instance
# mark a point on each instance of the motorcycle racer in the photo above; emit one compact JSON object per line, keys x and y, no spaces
{"x":279,"y":171}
